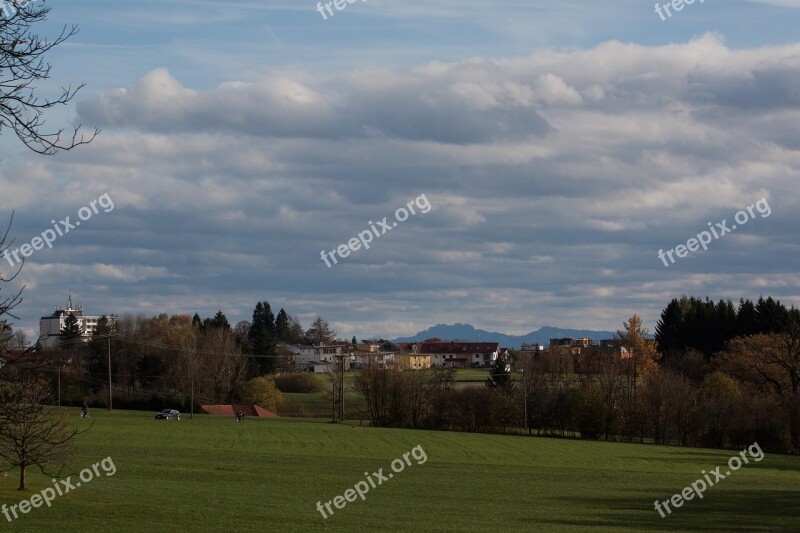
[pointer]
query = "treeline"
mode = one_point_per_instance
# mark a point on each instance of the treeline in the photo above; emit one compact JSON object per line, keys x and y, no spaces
{"x":168,"y":361}
{"x":674,"y":390}
{"x":692,"y":323}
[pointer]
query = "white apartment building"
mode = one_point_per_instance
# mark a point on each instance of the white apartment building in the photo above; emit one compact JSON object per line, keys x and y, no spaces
{"x":50,"y":327}
{"x":306,"y":356}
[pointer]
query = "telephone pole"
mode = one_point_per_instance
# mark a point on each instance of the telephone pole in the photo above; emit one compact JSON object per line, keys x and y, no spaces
{"x":110,"y":397}
{"x":341,"y":390}
{"x":525,"y":396}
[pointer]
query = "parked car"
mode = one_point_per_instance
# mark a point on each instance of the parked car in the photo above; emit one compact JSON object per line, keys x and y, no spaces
{"x":168,"y":414}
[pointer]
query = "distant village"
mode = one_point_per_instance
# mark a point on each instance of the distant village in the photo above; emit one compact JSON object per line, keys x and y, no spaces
{"x":566,"y":355}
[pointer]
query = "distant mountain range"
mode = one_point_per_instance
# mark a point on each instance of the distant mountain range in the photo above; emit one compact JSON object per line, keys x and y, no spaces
{"x":466,"y":332}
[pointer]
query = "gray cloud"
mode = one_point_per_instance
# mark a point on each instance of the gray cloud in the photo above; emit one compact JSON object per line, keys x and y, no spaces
{"x":372,"y":104}
{"x":554,"y":179}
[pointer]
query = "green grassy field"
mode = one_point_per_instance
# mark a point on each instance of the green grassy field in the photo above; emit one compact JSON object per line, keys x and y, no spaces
{"x":213,"y":474}
{"x":318,"y":404}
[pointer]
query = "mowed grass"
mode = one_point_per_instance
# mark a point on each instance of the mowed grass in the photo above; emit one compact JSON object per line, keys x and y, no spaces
{"x":213,"y":474}
{"x":318,"y":404}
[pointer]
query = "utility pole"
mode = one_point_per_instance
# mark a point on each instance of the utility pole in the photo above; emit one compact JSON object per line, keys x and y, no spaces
{"x":333,"y":397}
{"x":525,"y":396}
{"x":341,"y":390}
{"x":59,"y":384}
{"x":191,"y":408}
{"x":110,"y":396}
{"x":337,"y":387}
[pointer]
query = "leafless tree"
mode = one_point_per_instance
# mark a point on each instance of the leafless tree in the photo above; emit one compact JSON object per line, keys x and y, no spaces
{"x":22,"y":65}
{"x":32,"y":434}
{"x":320,"y":332}
{"x":337,"y":385}
{"x":222,"y":360}
{"x":8,"y":303}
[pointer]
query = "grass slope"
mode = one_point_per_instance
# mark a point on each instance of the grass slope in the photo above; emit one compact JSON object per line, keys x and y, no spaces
{"x":212,"y":474}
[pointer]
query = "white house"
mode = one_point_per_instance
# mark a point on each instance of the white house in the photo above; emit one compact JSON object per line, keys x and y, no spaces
{"x":314,"y":358}
{"x":50,"y":327}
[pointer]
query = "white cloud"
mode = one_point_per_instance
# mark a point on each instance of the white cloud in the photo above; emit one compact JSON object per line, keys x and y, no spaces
{"x":554,"y":179}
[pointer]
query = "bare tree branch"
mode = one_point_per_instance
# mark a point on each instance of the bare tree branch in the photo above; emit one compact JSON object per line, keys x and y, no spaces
{"x":21,"y":66}
{"x":32,"y":434}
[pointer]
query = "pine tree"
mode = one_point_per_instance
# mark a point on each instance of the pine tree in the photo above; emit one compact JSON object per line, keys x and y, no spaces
{"x":500,"y":376}
{"x":746,"y":319}
{"x":669,"y":330}
{"x":220,"y":321}
{"x":72,"y":330}
{"x":282,"y":332}
{"x":262,"y":336}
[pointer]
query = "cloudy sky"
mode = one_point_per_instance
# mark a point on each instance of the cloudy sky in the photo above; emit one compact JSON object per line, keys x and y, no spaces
{"x":561,"y":145}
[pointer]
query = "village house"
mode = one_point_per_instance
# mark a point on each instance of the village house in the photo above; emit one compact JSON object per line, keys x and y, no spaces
{"x":455,"y":354}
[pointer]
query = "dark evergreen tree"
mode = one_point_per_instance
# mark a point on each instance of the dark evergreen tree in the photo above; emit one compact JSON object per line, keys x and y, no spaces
{"x":500,"y":376}
{"x":220,"y":321}
{"x":726,"y":324}
{"x":746,"y":319}
{"x":669,"y":330}
{"x":197,"y":322}
{"x":72,"y":331}
{"x":772,"y":315}
{"x":262,"y":337}
{"x":282,"y":332}
{"x":692,"y":323}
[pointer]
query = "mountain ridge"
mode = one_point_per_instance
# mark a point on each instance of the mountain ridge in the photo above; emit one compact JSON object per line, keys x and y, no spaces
{"x":467,"y":332}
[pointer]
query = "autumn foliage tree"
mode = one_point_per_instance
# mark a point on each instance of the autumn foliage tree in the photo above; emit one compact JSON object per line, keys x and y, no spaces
{"x":772,"y":363}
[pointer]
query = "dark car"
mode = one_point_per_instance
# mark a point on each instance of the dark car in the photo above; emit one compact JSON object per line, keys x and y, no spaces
{"x":168,"y":414}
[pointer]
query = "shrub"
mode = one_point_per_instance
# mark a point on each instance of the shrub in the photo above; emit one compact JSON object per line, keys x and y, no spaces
{"x":302,"y":382}
{"x":262,"y":391}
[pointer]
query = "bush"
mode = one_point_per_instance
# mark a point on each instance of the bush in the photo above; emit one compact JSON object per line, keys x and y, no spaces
{"x":302,"y":382}
{"x":263,"y":392}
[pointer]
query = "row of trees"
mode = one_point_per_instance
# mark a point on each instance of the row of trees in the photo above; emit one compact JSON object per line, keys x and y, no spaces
{"x":747,"y":392}
{"x":163,"y":360}
{"x":692,"y":323}
{"x":180,"y":360}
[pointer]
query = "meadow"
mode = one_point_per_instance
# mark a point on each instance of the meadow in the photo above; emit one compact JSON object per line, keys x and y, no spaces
{"x":214,"y":474}
{"x":318,"y":404}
